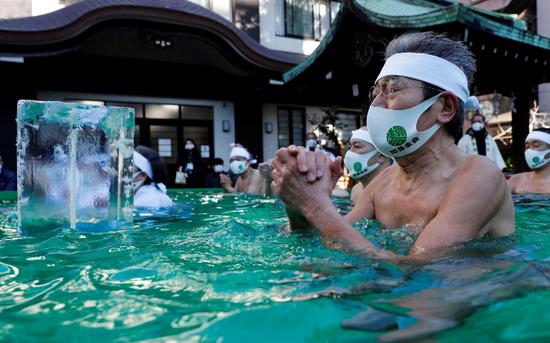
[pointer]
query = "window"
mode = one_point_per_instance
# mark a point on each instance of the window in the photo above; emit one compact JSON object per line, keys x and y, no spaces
{"x":203,"y":3}
{"x":291,"y":125}
{"x":303,"y":18}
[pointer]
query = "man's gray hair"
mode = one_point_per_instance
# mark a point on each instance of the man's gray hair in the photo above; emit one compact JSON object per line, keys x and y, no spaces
{"x":441,"y":46}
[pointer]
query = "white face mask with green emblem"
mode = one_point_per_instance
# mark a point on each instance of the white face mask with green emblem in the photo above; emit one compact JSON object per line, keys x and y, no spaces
{"x":357,"y":164}
{"x":394,"y":131}
{"x":536,"y":158}
{"x":238,"y":167}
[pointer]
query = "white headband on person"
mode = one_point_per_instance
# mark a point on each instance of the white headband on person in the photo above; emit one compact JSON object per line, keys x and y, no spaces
{"x":539,"y":135}
{"x":142,"y":163}
{"x":431,"y":69}
{"x":361,"y":134}
{"x":239,"y":151}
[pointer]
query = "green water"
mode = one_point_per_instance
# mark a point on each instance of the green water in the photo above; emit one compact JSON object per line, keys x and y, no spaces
{"x":223,"y":268}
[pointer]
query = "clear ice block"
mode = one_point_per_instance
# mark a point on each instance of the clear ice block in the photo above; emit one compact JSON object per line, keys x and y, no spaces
{"x":74,"y":165}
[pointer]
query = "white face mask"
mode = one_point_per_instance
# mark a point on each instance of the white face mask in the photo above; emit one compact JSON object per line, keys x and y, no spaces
{"x":311,"y":143}
{"x":189,"y":146}
{"x":536,"y":159}
{"x":238,"y":167}
{"x":218,"y":168}
{"x":394,"y":131}
{"x":477,"y":126}
{"x":357,"y":164}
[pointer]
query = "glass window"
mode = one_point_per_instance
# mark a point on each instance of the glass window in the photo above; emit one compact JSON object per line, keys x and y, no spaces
{"x":86,"y":102}
{"x":154,"y":111}
{"x":196,"y":112}
{"x":164,"y":139}
{"x":138,"y":108}
{"x":290,"y":126}
{"x":299,"y":18}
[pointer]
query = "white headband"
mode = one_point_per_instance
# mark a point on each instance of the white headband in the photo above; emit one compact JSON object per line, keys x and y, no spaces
{"x":539,"y":135}
{"x":431,"y":69}
{"x":142,"y":163}
{"x":361,"y":134}
{"x":239,"y":151}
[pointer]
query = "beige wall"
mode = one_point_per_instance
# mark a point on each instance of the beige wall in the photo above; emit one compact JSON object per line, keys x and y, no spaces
{"x":15,"y":8}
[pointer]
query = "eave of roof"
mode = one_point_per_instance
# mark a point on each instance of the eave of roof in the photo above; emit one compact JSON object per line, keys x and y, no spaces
{"x":73,"y":20}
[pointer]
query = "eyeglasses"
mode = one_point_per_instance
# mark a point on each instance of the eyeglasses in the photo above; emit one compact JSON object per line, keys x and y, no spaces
{"x":389,"y":88}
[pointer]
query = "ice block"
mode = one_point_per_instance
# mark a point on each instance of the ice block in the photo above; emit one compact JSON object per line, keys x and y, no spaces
{"x":74,"y":165}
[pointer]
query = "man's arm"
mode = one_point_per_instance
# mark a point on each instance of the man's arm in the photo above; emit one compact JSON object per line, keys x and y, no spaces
{"x":469,"y":209}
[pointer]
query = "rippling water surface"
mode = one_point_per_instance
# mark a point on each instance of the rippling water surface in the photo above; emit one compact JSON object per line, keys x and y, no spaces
{"x":223,"y":268}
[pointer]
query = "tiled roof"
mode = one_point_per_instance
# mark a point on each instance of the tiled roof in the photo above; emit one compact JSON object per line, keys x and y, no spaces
{"x":418,"y":14}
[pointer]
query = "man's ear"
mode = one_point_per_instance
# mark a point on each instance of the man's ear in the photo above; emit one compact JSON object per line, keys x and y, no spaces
{"x":449,"y":106}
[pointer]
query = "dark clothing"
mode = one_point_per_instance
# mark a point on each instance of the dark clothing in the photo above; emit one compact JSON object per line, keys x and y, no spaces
{"x":8,"y":180}
{"x":195,"y":177}
{"x":213,"y":180}
{"x":480,"y":140}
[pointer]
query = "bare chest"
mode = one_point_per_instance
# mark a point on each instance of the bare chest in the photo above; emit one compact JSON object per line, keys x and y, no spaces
{"x":529,"y":185}
{"x":395,"y":208}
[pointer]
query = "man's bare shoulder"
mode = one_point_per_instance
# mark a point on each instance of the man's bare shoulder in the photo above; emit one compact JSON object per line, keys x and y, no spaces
{"x":518,"y":177}
{"x":479,"y":169}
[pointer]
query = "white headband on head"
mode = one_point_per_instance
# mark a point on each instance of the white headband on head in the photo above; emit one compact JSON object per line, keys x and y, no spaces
{"x":361,"y":134}
{"x":239,"y":151}
{"x":431,"y":69}
{"x":142,"y":163}
{"x":539,"y":135}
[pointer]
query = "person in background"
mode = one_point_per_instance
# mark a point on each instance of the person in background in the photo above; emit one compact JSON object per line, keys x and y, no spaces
{"x":190,"y":162}
{"x":312,"y":144}
{"x":477,"y":141}
{"x":213,"y":176}
{"x":8,"y":179}
{"x":537,"y":156}
{"x":250,"y":180}
{"x":149,"y":178}
{"x":363,"y":161}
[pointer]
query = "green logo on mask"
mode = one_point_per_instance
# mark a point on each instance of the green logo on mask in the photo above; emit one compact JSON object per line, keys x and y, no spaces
{"x":396,"y":135}
{"x":357,"y":166}
{"x":536,"y":159}
{"x":241,"y":167}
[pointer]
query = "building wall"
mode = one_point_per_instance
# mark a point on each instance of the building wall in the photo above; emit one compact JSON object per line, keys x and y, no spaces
{"x":15,"y":8}
{"x":223,"y":110}
{"x":543,"y":29}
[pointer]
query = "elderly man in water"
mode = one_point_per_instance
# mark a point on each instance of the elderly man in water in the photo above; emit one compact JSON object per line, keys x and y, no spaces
{"x":416,"y":112}
{"x":537,"y":156}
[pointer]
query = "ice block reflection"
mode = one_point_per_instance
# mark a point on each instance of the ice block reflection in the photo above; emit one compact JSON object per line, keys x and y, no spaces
{"x":74,"y":165}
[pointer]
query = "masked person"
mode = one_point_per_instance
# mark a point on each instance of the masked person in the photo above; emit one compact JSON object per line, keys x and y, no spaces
{"x":190,"y":162}
{"x":149,"y":178}
{"x":363,"y":161}
{"x":537,"y":156}
{"x":477,"y":141}
{"x":213,"y":176}
{"x":417,"y":110}
{"x":249,"y":180}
